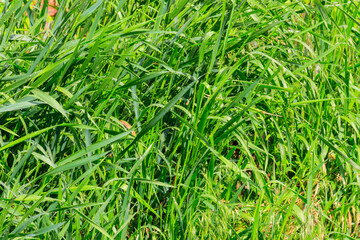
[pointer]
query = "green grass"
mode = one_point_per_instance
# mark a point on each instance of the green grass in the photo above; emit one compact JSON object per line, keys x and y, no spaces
{"x":180,"y":120}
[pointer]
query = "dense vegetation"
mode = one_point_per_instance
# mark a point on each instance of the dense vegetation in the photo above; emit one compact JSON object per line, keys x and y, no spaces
{"x":180,"y":119}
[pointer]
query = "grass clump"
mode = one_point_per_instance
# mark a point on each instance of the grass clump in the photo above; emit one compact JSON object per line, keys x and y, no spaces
{"x":179,"y":119}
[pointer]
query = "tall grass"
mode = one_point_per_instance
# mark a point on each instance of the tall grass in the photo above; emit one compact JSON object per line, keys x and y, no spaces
{"x":180,"y":120}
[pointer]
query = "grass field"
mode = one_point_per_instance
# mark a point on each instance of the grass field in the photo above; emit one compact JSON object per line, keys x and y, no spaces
{"x":178,"y":119}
